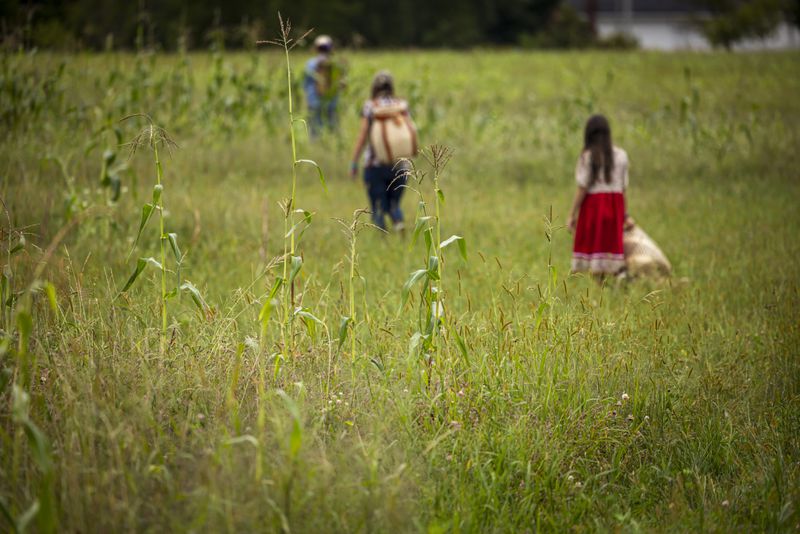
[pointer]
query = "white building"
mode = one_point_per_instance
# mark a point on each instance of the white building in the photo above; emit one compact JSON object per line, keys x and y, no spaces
{"x":671,"y":25}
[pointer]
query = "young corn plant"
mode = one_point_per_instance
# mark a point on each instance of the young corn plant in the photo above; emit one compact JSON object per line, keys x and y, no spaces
{"x":432,"y":310}
{"x":351,"y":230}
{"x":154,"y":137}
{"x":292,"y":225}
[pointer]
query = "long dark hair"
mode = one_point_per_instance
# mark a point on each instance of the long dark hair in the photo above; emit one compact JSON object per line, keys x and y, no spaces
{"x":597,"y":140}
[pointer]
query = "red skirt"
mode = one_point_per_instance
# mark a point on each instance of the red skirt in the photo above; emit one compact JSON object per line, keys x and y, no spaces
{"x":598,"y":237}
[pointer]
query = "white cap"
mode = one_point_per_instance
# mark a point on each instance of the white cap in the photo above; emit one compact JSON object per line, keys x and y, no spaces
{"x":323,"y":42}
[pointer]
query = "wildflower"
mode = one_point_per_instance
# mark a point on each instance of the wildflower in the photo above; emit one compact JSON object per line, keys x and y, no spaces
{"x":646,"y":418}
{"x":625,"y":396}
{"x":455,"y":425}
{"x":619,"y":403}
{"x":200,"y":417}
{"x":578,"y":484}
{"x":338,"y":401}
{"x":630,"y":417}
{"x":570,"y":478}
{"x":460,"y":392}
{"x":725,"y":503}
{"x":449,"y":457}
{"x":405,"y":390}
{"x":613,"y":413}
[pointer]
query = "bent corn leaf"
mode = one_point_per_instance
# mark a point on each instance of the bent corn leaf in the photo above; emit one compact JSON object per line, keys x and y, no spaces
{"x":462,"y":244}
{"x":197,"y":298}
{"x":297,"y":264}
{"x":319,"y":170}
{"x":173,"y":243}
{"x":415,"y":277}
{"x":141,"y":263}
{"x":147,"y":213}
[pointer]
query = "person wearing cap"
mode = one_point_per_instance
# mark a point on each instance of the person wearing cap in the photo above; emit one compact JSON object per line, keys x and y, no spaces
{"x":323,"y":79}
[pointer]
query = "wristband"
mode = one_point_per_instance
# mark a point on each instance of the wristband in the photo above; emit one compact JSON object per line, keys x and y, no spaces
{"x":353,"y":166}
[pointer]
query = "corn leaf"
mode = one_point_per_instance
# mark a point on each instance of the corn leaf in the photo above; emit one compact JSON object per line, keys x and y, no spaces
{"x":19,"y":246}
{"x":421,"y":223}
{"x":462,"y":244}
{"x":197,"y":298}
{"x":141,"y":263}
{"x":50,"y":290}
{"x":296,"y":437}
{"x":147,"y":213}
{"x":309,"y":319}
{"x":343,"y":324}
{"x":297,"y":264}
{"x":415,"y":277}
{"x":247,"y":438}
{"x":319,"y":170}
{"x":433,"y":268}
{"x":173,"y":243}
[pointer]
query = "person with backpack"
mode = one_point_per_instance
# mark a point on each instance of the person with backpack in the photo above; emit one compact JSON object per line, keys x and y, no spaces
{"x":598,"y":214}
{"x":390,"y":138}
{"x":323,"y":80}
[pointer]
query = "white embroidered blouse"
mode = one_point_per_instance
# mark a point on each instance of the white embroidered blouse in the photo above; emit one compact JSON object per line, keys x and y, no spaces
{"x":619,"y":174}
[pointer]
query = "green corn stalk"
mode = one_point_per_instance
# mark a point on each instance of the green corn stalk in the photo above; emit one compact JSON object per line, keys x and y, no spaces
{"x":432,"y":308}
{"x":351,"y":230}
{"x":153,"y":137}
{"x":160,"y":207}
{"x":291,"y":262}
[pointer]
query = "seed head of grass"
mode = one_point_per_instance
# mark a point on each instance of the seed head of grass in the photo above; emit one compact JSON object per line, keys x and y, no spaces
{"x":352,"y":227}
{"x":438,"y":156}
{"x":151,"y":136}
{"x":284,"y":38}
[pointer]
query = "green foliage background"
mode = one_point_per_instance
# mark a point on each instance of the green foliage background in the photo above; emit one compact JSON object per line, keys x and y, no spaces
{"x":169,"y":24}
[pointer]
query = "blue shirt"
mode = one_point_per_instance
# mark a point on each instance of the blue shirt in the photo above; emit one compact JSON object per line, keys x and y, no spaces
{"x":313,"y":97}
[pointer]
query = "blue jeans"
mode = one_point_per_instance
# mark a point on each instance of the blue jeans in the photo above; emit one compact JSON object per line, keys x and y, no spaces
{"x":385,"y":186}
{"x":322,"y":114}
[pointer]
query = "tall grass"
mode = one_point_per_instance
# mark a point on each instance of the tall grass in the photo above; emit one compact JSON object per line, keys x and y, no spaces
{"x":545,"y":402}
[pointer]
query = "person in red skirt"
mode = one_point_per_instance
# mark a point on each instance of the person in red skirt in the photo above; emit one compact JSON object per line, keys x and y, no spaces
{"x":598,"y":211}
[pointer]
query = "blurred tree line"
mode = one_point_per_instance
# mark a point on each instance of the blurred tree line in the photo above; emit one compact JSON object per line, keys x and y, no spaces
{"x":175,"y":24}
{"x":236,"y":24}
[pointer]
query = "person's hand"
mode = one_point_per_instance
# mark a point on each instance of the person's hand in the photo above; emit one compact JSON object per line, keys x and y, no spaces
{"x":353,"y":169}
{"x":572,"y":223}
{"x":629,"y":223}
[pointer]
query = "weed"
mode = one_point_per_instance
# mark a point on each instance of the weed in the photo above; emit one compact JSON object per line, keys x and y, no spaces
{"x":155,"y":137}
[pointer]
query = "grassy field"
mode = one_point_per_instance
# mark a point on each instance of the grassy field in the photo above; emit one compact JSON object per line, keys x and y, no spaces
{"x":542,"y":402}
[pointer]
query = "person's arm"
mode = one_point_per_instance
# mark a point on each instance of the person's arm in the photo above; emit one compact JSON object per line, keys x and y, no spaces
{"x":361,"y":140}
{"x":629,"y":222}
{"x":572,"y":221}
